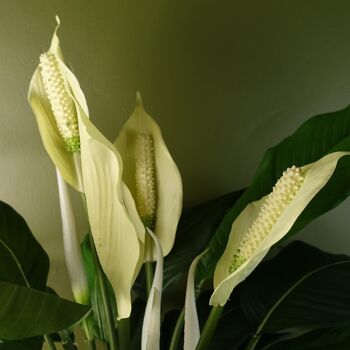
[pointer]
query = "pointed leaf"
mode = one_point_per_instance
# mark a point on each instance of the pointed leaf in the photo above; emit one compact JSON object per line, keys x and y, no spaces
{"x":98,"y":312}
{"x":26,"y":312}
{"x":22,"y":259}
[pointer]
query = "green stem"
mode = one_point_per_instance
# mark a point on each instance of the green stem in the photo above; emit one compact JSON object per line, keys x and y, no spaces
{"x":92,"y":344}
{"x":89,"y":336}
{"x":50,"y":342}
{"x":124,"y":334}
{"x":209,"y":328}
{"x":253,"y":342}
{"x":149,"y":276}
{"x":105,"y":299}
{"x":174,"y":343}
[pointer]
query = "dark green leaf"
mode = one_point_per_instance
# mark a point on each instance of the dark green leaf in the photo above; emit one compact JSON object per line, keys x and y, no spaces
{"x":302,"y":288}
{"x":27,"y":312}
{"x":35,"y":343}
{"x":14,"y":346}
{"x":196,"y":227}
{"x":136,"y":321}
{"x":317,"y":137}
{"x":22,"y":260}
{"x":321,"y":339}
{"x":97,"y":317}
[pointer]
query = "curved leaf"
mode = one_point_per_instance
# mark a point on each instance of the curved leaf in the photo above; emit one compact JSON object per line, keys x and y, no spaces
{"x":27,"y":312}
{"x":22,"y":259}
{"x":98,"y":312}
{"x":317,"y":137}
{"x":35,"y":343}
{"x":302,"y":288}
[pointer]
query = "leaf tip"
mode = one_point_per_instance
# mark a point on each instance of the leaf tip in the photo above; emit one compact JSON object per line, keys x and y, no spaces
{"x":138,"y":99}
{"x":57,"y":21}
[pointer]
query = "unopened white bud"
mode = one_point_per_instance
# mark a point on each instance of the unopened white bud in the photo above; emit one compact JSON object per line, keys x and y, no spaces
{"x":61,"y":102}
{"x":282,"y":194}
{"x":145,"y":179}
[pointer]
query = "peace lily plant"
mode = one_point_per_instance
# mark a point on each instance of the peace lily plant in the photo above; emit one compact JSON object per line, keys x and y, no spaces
{"x":127,"y":273}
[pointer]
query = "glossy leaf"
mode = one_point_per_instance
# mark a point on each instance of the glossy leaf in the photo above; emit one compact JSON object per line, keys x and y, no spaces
{"x":22,"y":259}
{"x":27,"y":312}
{"x":317,"y":137}
{"x":302,"y":288}
{"x":318,"y":302}
{"x":320,"y":339}
{"x":35,"y":343}
{"x":98,"y":312}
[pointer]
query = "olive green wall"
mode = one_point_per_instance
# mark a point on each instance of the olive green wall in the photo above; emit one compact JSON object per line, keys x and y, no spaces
{"x":224,"y":79}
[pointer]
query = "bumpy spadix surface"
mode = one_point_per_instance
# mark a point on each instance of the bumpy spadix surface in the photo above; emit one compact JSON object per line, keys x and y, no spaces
{"x":52,"y":91}
{"x":152,"y":177}
{"x":262,"y":223}
{"x":61,"y":103}
{"x":145,"y":179}
{"x":274,"y":204}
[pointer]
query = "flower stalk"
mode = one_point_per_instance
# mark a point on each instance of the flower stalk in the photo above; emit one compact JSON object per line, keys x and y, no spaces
{"x":74,"y":260}
{"x":209,"y":328}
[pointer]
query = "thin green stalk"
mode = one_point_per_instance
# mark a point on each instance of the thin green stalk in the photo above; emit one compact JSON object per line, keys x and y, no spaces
{"x":105,"y":299}
{"x":89,"y":336}
{"x":209,"y":328}
{"x":149,"y":276}
{"x":175,"y":339}
{"x":50,"y":342}
{"x":92,"y":344}
{"x":253,"y":342}
{"x":124,"y":334}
